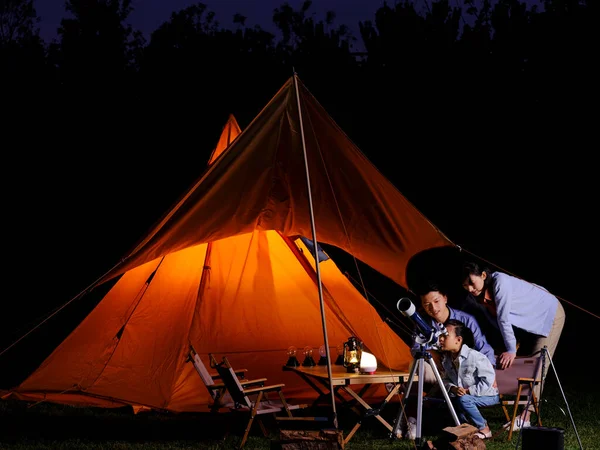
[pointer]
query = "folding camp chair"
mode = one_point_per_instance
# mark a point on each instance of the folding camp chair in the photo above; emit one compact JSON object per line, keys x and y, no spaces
{"x":218,"y":390}
{"x":515,"y":386}
{"x":254,"y":401}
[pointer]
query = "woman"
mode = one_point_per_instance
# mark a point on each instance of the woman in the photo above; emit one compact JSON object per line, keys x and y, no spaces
{"x":469,"y":376}
{"x":527,"y":314}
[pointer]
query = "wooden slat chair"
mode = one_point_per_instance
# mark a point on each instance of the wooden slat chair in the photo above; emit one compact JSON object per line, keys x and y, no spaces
{"x":254,"y":401}
{"x":217,"y":389}
{"x":515,"y":386}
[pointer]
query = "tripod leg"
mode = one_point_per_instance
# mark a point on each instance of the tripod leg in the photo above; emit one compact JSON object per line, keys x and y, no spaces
{"x":551,"y":364}
{"x":443,"y":389}
{"x":411,"y":377}
{"x":420,"y":403}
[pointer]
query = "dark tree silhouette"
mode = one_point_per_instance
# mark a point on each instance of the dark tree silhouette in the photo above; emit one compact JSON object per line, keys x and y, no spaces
{"x":469,"y":99}
{"x":17,"y":21}
{"x":97,"y":48}
{"x":22,"y":53}
{"x":320,"y":52}
{"x":191,"y":64}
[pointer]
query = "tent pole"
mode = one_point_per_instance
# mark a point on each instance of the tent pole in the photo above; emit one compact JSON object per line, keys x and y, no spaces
{"x":316,"y":255}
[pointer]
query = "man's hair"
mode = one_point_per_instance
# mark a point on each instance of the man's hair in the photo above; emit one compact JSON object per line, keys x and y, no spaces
{"x":429,"y":285}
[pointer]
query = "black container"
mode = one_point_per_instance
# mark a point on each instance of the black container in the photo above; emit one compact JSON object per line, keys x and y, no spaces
{"x":543,"y":438}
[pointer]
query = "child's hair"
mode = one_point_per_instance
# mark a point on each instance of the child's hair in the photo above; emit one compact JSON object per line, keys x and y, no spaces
{"x":460,"y":329}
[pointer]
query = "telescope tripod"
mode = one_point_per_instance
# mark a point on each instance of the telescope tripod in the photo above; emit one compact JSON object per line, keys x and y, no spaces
{"x":420,"y":358}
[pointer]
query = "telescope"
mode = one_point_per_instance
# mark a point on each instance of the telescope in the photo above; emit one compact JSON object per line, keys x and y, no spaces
{"x":425,"y":332}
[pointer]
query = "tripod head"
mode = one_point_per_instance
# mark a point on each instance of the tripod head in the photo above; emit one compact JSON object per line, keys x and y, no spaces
{"x":424,"y":333}
{"x":433,"y":338}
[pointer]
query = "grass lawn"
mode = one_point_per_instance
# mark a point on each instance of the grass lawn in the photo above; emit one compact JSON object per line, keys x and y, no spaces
{"x":48,"y":426}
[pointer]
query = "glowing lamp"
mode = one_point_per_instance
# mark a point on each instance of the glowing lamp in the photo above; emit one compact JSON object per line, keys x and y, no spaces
{"x":308,"y":359}
{"x":292,"y":360}
{"x":368,"y":363}
{"x":352,"y":354}
{"x":323,"y":358}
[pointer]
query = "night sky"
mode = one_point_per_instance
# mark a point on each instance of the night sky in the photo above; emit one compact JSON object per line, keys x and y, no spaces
{"x":150,"y":14}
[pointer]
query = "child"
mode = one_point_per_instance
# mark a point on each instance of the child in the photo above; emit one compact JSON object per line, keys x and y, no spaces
{"x":468,"y":376}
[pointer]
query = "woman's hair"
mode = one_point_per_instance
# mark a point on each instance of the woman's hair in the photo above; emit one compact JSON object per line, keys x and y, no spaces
{"x":474,"y":268}
{"x":460,"y":329}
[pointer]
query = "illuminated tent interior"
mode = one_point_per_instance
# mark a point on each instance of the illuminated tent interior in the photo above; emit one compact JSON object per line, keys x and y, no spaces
{"x":226,"y":271}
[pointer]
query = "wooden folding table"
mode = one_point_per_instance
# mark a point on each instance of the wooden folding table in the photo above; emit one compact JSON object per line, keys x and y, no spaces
{"x":318,"y":378}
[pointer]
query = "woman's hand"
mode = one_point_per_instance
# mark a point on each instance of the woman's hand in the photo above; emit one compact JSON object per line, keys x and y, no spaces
{"x":506,"y":359}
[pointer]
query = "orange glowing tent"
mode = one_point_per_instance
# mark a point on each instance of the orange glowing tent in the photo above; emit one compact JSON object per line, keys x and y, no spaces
{"x":226,"y":270}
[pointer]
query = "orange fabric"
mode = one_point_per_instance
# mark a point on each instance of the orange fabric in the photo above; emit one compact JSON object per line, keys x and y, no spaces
{"x":259,"y":182}
{"x":132,"y":347}
{"x":363,"y":319}
{"x":221,"y":273}
{"x":257,"y":300}
{"x":231,"y":130}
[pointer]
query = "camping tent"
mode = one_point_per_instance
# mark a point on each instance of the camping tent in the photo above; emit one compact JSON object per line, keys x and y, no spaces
{"x":226,"y":271}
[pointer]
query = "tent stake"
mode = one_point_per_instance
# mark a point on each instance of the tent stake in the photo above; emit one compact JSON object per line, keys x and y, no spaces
{"x":316,"y":255}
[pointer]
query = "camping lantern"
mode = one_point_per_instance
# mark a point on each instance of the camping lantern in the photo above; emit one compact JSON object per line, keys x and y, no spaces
{"x":292,"y":360}
{"x":308,"y":359}
{"x":323,"y":358}
{"x":352,"y":354}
